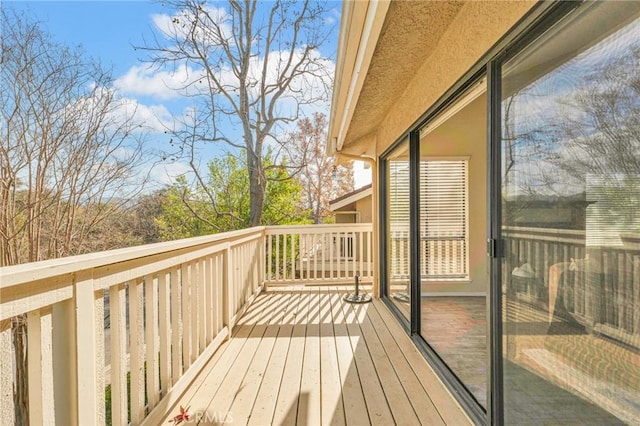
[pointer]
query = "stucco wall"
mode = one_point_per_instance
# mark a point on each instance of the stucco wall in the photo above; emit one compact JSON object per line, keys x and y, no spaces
{"x":464,"y":135}
{"x":364,"y":207}
{"x":476,"y":28}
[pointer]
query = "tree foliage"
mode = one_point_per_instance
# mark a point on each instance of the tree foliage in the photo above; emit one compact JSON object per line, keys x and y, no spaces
{"x":253,"y":66}
{"x":187,"y":211}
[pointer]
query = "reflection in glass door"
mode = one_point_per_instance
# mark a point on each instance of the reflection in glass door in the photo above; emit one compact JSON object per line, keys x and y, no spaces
{"x":571,"y":222}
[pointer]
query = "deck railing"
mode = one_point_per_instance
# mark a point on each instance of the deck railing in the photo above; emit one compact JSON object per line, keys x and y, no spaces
{"x":319,"y":253}
{"x":153,"y":315}
{"x":597,"y":286}
{"x":150,"y":315}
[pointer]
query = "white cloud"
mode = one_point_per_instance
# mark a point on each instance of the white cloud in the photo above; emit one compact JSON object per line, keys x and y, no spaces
{"x":166,"y":173}
{"x":154,"y":118}
{"x":177,"y":26}
{"x":147,"y":81}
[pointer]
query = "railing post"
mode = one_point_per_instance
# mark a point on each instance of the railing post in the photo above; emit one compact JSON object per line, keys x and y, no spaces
{"x":90,"y":409}
{"x":63,"y":339}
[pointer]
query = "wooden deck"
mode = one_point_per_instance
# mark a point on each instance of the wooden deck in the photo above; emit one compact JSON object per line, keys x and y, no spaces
{"x":301,"y":355}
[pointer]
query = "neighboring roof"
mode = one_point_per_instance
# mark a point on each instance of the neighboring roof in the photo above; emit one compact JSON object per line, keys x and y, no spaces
{"x":350,"y":197}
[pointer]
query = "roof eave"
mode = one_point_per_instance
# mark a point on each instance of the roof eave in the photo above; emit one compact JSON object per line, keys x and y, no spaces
{"x":360,"y":28}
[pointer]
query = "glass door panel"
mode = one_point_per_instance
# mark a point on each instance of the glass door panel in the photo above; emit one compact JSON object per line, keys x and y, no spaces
{"x":453,"y":217}
{"x":397,"y":226}
{"x":571,"y":222}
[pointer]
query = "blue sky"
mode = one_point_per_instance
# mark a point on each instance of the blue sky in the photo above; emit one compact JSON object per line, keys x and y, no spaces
{"x":108,"y":30}
{"x":105,"y":29}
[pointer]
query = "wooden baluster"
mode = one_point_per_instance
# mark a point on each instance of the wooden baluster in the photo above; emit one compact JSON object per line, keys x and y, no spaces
{"x":293,"y":255}
{"x":118,"y":350}
{"x":202,"y":303}
{"x":151,"y":331}
{"x":176,"y":326}
{"x":277,"y":259}
{"x":636,"y":295}
{"x":193,"y":294}
{"x":136,"y":345}
{"x":210,"y":300}
{"x":164,"y":330}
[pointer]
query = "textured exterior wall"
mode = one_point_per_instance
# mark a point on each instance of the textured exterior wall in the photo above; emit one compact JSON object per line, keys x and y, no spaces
{"x":475,"y":29}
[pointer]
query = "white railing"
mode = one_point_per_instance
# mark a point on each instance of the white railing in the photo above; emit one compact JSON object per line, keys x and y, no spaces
{"x":440,"y":257}
{"x":151,"y":315}
{"x":170,"y":305}
{"x":598,"y":286}
{"x":319,"y":253}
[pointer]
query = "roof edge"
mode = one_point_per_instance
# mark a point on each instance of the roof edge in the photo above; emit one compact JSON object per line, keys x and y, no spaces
{"x":360,"y":28}
{"x":351,"y":197}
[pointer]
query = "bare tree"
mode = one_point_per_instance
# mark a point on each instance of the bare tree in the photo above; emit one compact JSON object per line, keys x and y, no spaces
{"x":321,"y":178}
{"x":253,"y":66}
{"x":68,"y":155}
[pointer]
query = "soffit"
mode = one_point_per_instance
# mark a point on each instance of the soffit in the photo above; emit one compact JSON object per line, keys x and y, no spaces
{"x":410,"y":33}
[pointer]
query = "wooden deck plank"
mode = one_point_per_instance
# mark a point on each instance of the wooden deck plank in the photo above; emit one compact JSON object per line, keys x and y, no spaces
{"x":309,"y":404}
{"x":355,"y":408}
{"x":449,"y":409}
{"x":208,"y":381}
{"x":248,"y":390}
{"x":395,"y":394}
{"x":286,"y":411}
{"x":304,"y":356}
{"x":265,"y":403}
{"x":221,"y":402}
{"x":416,"y":393}
{"x":377,"y":406}
{"x":331,"y":386}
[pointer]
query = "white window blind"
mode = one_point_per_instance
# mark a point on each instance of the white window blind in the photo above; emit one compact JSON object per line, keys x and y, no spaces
{"x":444,"y":218}
{"x":398,"y":218}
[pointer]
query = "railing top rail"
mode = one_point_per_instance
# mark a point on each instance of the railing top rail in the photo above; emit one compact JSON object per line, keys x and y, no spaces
{"x":339,"y":227}
{"x":27,"y":272}
{"x":548,"y":231}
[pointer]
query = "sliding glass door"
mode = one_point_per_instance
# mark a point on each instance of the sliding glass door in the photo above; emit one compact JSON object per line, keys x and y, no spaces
{"x":398,"y":238}
{"x":452,"y":217}
{"x":571,"y":222}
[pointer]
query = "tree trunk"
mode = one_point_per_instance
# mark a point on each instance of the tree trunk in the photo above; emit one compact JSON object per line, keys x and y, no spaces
{"x":20,"y":393}
{"x":257,"y":186}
